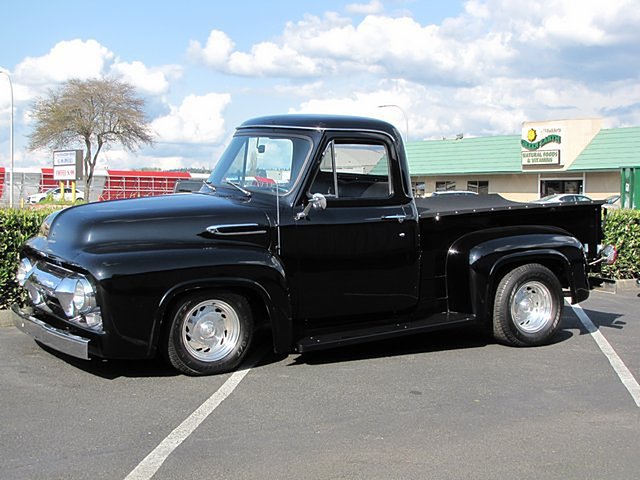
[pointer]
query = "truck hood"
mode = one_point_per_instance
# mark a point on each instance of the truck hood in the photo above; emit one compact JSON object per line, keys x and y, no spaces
{"x":151,"y":223}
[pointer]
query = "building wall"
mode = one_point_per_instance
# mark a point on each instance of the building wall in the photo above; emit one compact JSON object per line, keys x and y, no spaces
{"x":600,"y":185}
{"x":524,"y":187}
{"x":518,"y":187}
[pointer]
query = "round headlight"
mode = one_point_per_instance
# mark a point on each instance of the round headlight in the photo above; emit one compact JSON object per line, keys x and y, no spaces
{"x":24,"y":269}
{"x":83,"y":296}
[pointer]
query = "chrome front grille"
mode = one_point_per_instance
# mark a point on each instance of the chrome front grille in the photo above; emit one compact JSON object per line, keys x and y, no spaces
{"x":63,"y":293}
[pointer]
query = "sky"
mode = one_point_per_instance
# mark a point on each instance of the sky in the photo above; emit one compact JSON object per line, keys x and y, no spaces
{"x":476,"y":67}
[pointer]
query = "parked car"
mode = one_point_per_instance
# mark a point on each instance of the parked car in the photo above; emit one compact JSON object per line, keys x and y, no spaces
{"x":452,"y":192}
{"x":563,"y":198}
{"x":612,"y":202}
{"x":54,"y":194}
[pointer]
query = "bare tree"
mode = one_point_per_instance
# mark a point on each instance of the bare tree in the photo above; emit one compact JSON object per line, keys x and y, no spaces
{"x":92,"y":114}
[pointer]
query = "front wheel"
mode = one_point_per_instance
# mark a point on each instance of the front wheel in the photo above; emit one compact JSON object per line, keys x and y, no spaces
{"x":527,"y":306}
{"x":209,"y":333}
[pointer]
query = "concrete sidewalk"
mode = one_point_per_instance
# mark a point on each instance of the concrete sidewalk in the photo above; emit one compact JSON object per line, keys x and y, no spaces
{"x":5,"y":318}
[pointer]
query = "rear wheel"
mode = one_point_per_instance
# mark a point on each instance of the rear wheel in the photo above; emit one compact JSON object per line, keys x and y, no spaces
{"x":527,"y":306}
{"x":209,"y":333}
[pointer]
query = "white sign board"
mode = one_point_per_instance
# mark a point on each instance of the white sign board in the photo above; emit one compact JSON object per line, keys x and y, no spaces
{"x":541,"y":146}
{"x":67,"y":165}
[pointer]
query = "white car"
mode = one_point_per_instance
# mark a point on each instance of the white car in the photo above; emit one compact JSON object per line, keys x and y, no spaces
{"x":54,"y":193}
{"x":612,"y":203}
{"x":563,"y":198}
{"x":439,"y":193}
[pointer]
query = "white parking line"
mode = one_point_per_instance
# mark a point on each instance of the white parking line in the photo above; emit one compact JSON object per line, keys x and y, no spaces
{"x":152,"y":462}
{"x":626,"y":377}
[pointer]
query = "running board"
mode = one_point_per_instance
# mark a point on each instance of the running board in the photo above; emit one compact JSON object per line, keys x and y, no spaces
{"x":380,"y":332}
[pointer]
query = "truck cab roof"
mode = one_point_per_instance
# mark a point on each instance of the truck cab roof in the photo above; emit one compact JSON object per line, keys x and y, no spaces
{"x":323,"y":122}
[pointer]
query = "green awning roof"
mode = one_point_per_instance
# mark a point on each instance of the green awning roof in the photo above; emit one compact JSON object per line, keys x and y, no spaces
{"x":609,"y":150}
{"x":468,"y":155}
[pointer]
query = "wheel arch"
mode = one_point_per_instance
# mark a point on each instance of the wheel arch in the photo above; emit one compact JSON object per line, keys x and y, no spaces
{"x":269,"y":303}
{"x":482,"y":259}
{"x":555,"y":261}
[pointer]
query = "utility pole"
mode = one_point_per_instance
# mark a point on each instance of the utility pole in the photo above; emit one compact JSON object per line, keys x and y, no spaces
{"x":6,"y":72}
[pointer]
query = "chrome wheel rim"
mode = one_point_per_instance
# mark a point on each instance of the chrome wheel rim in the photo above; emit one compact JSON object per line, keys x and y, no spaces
{"x":532,"y":307}
{"x":211,"y":330}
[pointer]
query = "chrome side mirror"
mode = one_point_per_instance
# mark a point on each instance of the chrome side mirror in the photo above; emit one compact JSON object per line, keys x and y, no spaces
{"x":317,"y":201}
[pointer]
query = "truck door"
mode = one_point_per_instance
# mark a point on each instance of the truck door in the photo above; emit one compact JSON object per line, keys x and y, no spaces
{"x":360,"y":255}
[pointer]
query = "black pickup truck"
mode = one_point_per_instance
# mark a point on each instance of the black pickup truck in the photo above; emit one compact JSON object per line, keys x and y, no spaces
{"x":308,"y":227}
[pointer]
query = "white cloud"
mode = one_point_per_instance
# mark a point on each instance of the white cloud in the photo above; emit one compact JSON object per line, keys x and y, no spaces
{"x":269,"y":59}
{"x":484,"y":71}
{"x":264,"y":59}
{"x":216,"y":52}
{"x":83,"y":60}
{"x":490,"y":38}
{"x":333,"y":45}
{"x":117,"y":159}
{"x":154,"y":81}
{"x":199,"y":119}
{"x":557,"y":23}
{"x":374,"y":6}
{"x":67,"y":59}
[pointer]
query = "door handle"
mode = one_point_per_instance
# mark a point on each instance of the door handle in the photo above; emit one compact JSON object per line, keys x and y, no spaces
{"x":399,"y":218}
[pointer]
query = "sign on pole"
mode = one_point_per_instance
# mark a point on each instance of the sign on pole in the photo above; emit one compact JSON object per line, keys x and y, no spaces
{"x":67,"y":165}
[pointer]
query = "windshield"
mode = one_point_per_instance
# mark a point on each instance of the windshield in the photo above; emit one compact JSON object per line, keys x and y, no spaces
{"x":262,"y":163}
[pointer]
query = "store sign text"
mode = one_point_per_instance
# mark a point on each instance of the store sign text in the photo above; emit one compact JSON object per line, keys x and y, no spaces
{"x":547,"y":157}
{"x":541,"y":148}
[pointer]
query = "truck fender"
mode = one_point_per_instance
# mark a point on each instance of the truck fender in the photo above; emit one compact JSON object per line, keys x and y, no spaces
{"x":477,"y":261}
{"x":269,"y":291}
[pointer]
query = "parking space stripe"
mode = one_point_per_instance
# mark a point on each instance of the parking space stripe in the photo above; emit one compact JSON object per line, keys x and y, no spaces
{"x":152,"y":462}
{"x":626,"y":377}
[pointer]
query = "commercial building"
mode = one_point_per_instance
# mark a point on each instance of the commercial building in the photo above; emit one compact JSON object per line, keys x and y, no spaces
{"x":556,"y":156}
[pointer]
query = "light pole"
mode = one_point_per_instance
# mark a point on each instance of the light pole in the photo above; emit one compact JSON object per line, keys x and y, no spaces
{"x":404,"y":114}
{"x":2,"y":70}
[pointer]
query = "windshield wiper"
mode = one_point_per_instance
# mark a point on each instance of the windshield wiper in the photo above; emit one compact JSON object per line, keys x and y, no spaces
{"x":243,"y":190}
{"x":210,"y":185}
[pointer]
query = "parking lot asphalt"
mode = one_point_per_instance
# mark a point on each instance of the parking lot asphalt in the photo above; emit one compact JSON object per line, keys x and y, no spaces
{"x":447,"y":405}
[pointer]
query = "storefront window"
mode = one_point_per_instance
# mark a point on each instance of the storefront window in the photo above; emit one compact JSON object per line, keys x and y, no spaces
{"x":481,"y":187}
{"x":551,"y":187}
{"x":445,"y":186}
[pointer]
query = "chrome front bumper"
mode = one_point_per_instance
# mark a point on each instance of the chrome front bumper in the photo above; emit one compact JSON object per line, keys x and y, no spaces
{"x":55,"y":338}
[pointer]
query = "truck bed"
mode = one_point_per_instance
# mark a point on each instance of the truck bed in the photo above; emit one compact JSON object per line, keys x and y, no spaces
{"x":445,"y":205}
{"x":458,"y":214}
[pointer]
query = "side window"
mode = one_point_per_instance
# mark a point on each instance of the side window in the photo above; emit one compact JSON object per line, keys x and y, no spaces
{"x":481,"y":187}
{"x":353,"y":169}
{"x":445,"y":186}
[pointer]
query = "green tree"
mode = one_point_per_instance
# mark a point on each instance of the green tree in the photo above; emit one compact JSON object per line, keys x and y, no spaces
{"x":90,"y":114}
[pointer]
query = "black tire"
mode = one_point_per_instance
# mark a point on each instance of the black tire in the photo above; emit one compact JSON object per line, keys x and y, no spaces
{"x":209,"y":333}
{"x":527,"y":306}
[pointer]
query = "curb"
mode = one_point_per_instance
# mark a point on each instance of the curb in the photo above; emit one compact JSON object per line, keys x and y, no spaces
{"x":627,"y":285}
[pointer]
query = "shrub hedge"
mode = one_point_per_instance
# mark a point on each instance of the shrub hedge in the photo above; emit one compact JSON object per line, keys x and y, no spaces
{"x":16,"y":226}
{"x":621,"y":228}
